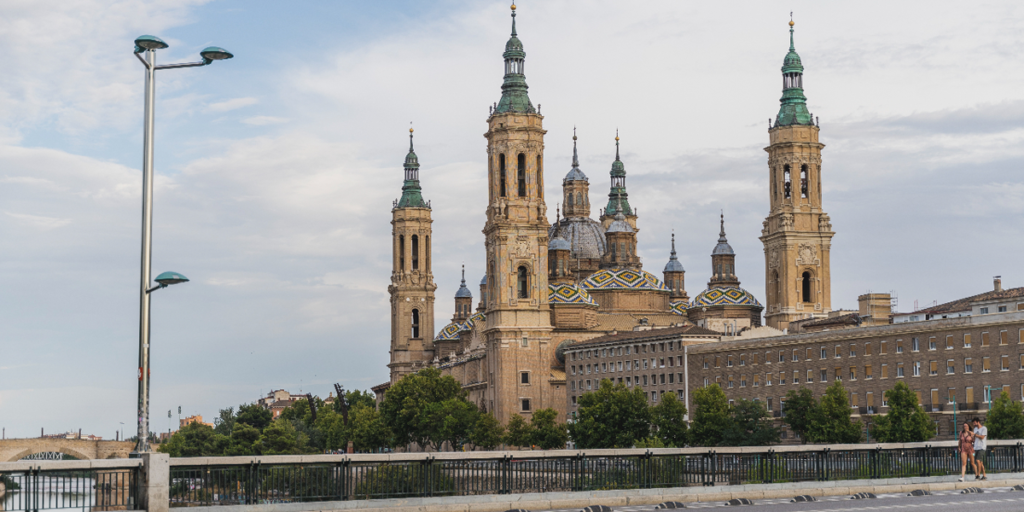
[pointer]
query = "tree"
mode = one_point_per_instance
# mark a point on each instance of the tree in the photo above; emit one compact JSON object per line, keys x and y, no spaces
{"x":711,"y":418}
{"x":279,"y":438}
{"x":906,"y":421}
{"x":750,"y":426}
{"x":195,"y":440}
{"x":487,"y":432}
{"x":243,"y":440}
{"x":518,"y":432}
{"x":831,"y":421}
{"x":356,"y":398}
{"x":799,"y":410}
{"x":225,"y":421}
{"x":368,"y":432}
{"x":547,"y":433}
{"x":254,"y":415}
{"x":1005,"y":418}
{"x":450,"y":421}
{"x":611,"y":416}
{"x":667,"y":419}
{"x":404,"y":408}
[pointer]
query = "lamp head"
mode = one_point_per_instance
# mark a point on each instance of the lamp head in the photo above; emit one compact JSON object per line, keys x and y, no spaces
{"x":212,"y":53}
{"x":169,"y":278}
{"x":143,"y":43}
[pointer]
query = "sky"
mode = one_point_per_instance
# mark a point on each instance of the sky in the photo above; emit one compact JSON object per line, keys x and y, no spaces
{"x":276,"y":170}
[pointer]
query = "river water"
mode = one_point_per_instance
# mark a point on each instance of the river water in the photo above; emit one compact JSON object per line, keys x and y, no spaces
{"x":47,"y":493}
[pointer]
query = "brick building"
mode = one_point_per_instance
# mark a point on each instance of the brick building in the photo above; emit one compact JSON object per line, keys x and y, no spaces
{"x":963,"y":359}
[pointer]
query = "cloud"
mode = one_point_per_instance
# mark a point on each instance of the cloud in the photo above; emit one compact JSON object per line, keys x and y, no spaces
{"x":38,"y":221}
{"x":263,"y":120}
{"x":232,"y":104}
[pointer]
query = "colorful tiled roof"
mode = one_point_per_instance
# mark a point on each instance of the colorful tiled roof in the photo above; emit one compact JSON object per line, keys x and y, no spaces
{"x":724,"y":296}
{"x":452,"y":330}
{"x":625,"y":279}
{"x":569,"y":294}
{"x":678,"y":307}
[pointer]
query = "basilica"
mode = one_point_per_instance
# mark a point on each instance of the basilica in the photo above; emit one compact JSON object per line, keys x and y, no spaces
{"x":553,"y":283}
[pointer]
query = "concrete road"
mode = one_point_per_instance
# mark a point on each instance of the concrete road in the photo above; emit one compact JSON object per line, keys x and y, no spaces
{"x":997,"y":499}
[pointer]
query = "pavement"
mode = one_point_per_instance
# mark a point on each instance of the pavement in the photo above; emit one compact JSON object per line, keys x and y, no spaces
{"x":993,"y":499}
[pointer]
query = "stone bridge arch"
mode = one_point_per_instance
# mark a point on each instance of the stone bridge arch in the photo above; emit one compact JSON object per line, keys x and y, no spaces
{"x":60,"y":449}
{"x":15,"y":449}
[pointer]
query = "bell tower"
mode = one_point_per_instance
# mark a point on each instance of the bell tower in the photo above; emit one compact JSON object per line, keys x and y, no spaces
{"x":518,"y":327}
{"x":412,"y":283}
{"x":797,"y":234}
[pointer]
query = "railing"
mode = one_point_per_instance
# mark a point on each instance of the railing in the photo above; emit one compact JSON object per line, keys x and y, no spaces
{"x":109,"y":485}
{"x":261,"y":480}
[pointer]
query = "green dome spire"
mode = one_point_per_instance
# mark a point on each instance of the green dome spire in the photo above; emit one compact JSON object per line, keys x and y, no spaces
{"x":513,"y":90}
{"x":618,"y":199}
{"x":793,"y":109}
{"x":411,"y":196}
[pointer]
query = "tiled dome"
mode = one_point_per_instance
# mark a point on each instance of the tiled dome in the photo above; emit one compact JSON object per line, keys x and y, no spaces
{"x":724,"y":296}
{"x":624,"y":279}
{"x":569,"y":294}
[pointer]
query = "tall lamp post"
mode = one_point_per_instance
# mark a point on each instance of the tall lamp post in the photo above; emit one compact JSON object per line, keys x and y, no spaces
{"x":148,"y":45}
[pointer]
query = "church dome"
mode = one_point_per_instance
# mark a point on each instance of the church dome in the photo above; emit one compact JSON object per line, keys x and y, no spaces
{"x":569,"y":294}
{"x":724,"y":296}
{"x":483,"y":282}
{"x":463,"y":292}
{"x":585,"y":236}
{"x":558,"y":243}
{"x":609,"y":279}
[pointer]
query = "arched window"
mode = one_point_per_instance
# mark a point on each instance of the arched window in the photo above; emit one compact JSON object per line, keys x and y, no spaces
{"x":777,"y":288}
{"x":401,"y":253}
{"x":579,"y":198}
{"x":415,"y":252}
{"x":568,"y":199}
{"x":803,"y":180}
{"x":427,"y":251}
{"x":415,"y":323}
{"x":540,"y":179}
{"x":504,"y":178}
{"x":524,"y":283}
{"x":521,"y":175}
{"x":807,"y":287}
{"x":787,"y":186}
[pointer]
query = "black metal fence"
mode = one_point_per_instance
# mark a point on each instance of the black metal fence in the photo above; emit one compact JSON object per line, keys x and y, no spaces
{"x":87,"y":489}
{"x":349,"y":479}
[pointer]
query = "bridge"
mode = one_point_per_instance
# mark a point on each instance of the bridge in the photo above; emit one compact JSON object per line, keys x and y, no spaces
{"x":16,"y":449}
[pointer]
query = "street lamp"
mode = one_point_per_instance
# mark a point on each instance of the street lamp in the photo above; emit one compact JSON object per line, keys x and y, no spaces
{"x":148,"y":45}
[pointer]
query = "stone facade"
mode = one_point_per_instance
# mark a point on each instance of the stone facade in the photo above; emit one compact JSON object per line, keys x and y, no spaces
{"x":15,"y":449}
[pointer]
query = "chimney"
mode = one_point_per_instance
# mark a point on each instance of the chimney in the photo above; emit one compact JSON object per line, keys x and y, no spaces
{"x":997,"y":283}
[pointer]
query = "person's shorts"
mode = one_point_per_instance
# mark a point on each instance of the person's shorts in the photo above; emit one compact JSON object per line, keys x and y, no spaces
{"x":979,"y":455}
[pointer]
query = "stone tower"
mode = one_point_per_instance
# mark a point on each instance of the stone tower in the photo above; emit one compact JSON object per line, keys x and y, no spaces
{"x":675,"y":275}
{"x":620,"y":243}
{"x":412,"y":283}
{"x":797,"y":234}
{"x":518,"y":327}
{"x":618,"y":193}
{"x":576,"y":187}
{"x":723,"y":261}
{"x":463,"y":301}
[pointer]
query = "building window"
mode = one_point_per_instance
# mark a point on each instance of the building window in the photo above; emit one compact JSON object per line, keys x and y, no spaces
{"x":521,"y":175}
{"x":415,"y":252}
{"x":967,"y":341}
{"x":853,"y":350}
{"x":933,"y":368}
{"x":951,"y":395}
{"x":917,"y":368}
{"x":743,"y":360}
{"x":986,"y":365}
{"x":853,"y":373}
{"x":806,"y":287}
{"x":574,"y":400}
{"x":803,"y":180}
{"x":882,"y":348}
{"x":1004,"y":363}
{"x":950,"y":367}
{"x":728,"y":361}
{"x":915,"y":346}
{"x":588,"y":384}
{"x":796,"y":377}
{"x":786,"y":182}
{"x":931,"y":343}
{"x":782,"y":378}
{"x":782,"y":356}
{"x":526,"y":404}
{"x":899,"y":346}
{"x":839,"y":373}
{"x":949,"y":342}
{"x":796,"y":355}
{"x":768,"y":378}
{"x":524,"y":283}
{"x":867,"y":372}
{"x":968,"y":365}
{"x":854,"y":400}
{"x":671,"y":378}
{"x":984,"y":339}
{"x":824,"y":353}
{"x":867,"y":349}
{"x":415,"y":323}
{"x":969,"y":395}
{"x":1004,"y":337}
{"x":885,"y":371}
{"x":504,"y":177}
{"x":810,"y":376}
{"x":524,"y":378}
{"x":935,"y":401}
{"x":899,"y":370}
{"x":824,"y":375}
{"x":984,"y":311}
{"x":768,"y":404}
{"x":743,"y":381}
{"x":807,"y":354}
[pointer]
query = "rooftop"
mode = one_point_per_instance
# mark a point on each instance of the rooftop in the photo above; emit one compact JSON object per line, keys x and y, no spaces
{"x":652,"y":334}
{"x":965,"y":303}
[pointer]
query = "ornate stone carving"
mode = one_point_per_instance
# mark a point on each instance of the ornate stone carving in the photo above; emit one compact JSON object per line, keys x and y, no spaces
{"x":764,"y":228}
{"x":824,"y":223}
{"x":786,"y":221}
{"x":773,"y":259}
{"x":807,"y":254}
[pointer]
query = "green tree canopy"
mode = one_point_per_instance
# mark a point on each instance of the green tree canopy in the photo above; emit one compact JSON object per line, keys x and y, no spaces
{"x":711,"y":417}
{"x":254,"y":415}
{"x":405,"y":406}
{"x":799,"y":410}
{"x":280,"y":438}
{"x":449,"y":421}
{"x":195,"y":440}
{"x":225,"y":421}
{"x":548,"y":434}
{"x":243,"y":440}
{"x":1005,"y":418}
{"x":667,"y":420}
{"x":831,"y":420}
{"x":487,"y":433}
{"x":518,"y":432}
{"x":906,"y":421}
{"x":750,"y":426}
{"x":612,"y":416}
{"x":368,"y":432}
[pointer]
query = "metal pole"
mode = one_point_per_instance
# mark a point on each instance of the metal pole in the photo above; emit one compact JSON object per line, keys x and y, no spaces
{"x":142,"y":445}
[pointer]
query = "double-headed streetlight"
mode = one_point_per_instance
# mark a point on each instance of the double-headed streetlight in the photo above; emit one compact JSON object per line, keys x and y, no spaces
{"x":148,"y":45}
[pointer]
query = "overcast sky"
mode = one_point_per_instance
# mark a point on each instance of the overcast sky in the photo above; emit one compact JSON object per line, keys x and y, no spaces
{"x":276,"y":170}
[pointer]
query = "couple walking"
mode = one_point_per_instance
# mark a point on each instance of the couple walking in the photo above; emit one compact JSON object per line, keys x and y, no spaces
{"x":973,"y":449}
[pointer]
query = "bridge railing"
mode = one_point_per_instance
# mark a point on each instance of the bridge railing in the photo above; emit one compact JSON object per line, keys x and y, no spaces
{"x":318,"y":478}
{"x":98,"y":485}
